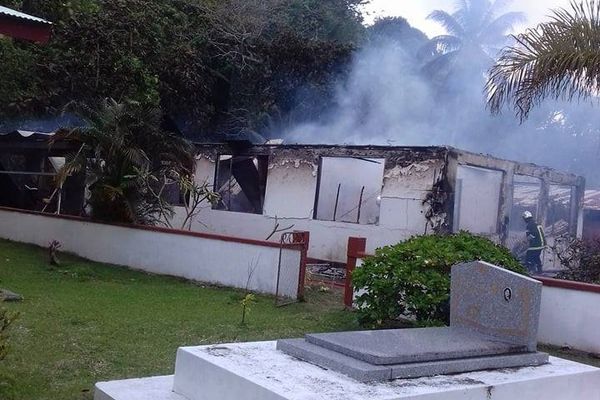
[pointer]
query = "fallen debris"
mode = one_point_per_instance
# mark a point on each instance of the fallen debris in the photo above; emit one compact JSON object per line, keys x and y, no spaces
{"x":53,"y":249}
{"x":7,"y":295}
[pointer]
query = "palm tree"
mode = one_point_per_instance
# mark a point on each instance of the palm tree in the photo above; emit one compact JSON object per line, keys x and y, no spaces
{"x":127,"y":158}
{"x":475,"y":33}
{"x":557,"y":59}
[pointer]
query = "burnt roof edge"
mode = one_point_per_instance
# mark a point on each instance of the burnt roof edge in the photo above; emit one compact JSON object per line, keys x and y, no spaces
{"x":326,"y":146}
{"x":462,"y":156}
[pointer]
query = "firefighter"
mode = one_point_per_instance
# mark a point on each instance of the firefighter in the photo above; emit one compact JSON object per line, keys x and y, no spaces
{"x":537,"y":243}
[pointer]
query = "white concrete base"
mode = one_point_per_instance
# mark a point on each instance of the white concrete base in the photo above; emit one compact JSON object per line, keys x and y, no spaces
{"x":257,"y":371}
{"x":157,"y":388}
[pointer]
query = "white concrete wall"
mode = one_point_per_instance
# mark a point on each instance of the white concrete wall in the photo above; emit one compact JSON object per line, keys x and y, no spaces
{"x":197,"y":258}
{"x":290,"y":196}
{"x":570,"y":318}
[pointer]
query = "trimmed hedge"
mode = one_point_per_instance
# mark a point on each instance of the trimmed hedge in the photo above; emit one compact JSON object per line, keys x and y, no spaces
{"x":412,"y":278}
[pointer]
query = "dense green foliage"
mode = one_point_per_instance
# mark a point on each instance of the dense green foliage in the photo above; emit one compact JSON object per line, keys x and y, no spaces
{"x":412,"y":278}
{"x":86,"y":322}
{"x":128,"y":160}
{"x":231,"y":66}
{"x":210,"y":65}
{"x":398,"y":31}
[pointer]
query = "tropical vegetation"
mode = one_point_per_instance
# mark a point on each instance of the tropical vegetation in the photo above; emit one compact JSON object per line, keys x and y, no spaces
{"x":557,"y":59}
{"x":412,"y":279}
{"x":475,"y":33}
{"x":211,"y":66}
{"x":129,"y":162}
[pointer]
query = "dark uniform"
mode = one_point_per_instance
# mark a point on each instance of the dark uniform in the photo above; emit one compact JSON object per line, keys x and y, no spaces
{"x":537,"y":243}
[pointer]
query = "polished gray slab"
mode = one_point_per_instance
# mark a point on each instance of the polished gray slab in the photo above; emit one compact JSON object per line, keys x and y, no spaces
{"x":357,"y":369}
{"x":495,"y":302}
{"x":493,"y":324}
{"x":365,"y":372}
{"x":397,"y":346}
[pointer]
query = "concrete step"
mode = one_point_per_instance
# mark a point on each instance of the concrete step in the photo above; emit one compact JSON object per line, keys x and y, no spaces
{"x":155,"y":388}
{"x":365,"y":372}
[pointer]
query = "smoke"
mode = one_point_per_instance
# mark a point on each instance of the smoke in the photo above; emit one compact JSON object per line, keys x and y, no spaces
{"x":386,"y":99}
{"x":381,"y":97}
{"x":417,"y":11}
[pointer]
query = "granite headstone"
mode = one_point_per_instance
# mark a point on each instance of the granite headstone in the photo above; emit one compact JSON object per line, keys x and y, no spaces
{"x":493,"y":324}
{"x":495,"y":302}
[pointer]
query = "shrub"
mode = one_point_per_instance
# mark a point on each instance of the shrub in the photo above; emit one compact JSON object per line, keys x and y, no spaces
{"x":580,"y":258}
{"x":412,"y":278}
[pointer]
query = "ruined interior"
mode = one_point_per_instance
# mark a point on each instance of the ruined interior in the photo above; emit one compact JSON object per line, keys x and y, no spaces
{"x":383,"y":193}
{"x":28,"y":166}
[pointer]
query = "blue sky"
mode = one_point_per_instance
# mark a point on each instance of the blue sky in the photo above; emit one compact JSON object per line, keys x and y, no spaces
{"x":416,"y":11}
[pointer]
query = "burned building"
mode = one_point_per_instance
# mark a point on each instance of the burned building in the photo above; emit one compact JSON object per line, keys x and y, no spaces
{"x":19,"y":25}
{"x":591,"y":215}
{"x":28,"y":167}
{"x":386,"y":194}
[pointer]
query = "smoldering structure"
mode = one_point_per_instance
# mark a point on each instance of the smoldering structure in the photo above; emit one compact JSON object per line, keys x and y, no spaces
{"x":28,"y":169}
{"x":384,"y":193}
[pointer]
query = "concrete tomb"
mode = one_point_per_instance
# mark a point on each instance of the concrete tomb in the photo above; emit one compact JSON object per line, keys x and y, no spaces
{"x":493,"y":327}
{"x":493,"y":324}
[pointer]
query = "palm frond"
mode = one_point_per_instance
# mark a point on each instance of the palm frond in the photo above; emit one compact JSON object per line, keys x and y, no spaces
{"x":500,"y":27}
{"x":557,"y":59}
{"x":494,"y":9}
{"x":74,"y":164}
{"x":135,"y":156}
{"x":449,"y":22}
{"x":441,"y":65}
{"x":125,"y":150}
{"x":442,"y":44}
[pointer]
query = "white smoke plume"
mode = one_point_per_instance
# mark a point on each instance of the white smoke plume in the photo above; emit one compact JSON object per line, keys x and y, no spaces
{"x":385,"y":100}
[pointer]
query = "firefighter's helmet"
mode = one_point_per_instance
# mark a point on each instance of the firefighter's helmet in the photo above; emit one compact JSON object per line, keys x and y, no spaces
{"x":527,"y":215}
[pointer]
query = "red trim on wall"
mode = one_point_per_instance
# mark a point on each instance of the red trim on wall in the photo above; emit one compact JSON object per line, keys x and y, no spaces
{"x":203,"y":235}
{"x":26,"y":30}
{"x":356,"y":246}
{"x":571,"y":285}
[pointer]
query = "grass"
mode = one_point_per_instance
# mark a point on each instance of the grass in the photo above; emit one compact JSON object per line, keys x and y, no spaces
{"x":85,"y":322}
{"x":573,"y":355}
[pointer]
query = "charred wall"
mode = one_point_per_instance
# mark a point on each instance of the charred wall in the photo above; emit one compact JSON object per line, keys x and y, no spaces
{"x":418,"y":192}
{"x":384,"y":193}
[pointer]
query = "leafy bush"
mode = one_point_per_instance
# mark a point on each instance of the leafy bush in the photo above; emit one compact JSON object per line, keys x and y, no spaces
{"x":581,"y":259}
{"x":412,"y":278}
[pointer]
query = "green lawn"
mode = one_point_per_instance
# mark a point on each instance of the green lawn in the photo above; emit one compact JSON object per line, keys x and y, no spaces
{"x":573,"y":355}
{"x":85,"y":322}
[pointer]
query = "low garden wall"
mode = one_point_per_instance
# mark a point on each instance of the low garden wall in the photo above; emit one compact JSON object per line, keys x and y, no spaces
{"x":223,"y":260}
{"x":570,"y":315}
